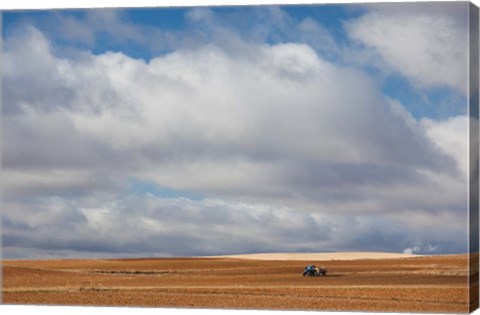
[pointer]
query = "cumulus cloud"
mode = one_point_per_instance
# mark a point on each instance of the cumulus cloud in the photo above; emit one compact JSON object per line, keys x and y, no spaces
{"x":280,"y":116}
{"x":427,"y":44}
{"x":288,"y":149}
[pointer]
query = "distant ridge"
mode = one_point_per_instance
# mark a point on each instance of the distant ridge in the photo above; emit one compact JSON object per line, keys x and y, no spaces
{"x":319,"y":256}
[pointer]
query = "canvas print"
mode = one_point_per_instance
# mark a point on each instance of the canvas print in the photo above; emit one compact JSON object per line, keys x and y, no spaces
{"x":295,"y":157}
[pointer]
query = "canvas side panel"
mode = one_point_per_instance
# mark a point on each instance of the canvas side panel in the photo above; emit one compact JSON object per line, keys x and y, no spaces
{"x":474,"y":154}
{"x":1,"y":155}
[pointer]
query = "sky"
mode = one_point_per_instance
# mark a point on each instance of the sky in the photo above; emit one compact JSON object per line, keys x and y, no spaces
{"x":222,"y":130}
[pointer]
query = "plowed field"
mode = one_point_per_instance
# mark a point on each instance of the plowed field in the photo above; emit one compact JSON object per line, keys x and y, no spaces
{"x":420,"y":284}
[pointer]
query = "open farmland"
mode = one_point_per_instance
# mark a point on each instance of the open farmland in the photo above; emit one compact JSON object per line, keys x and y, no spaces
{"x":426,"y":284}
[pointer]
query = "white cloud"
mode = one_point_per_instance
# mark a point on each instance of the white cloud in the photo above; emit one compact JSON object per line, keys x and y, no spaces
{"x":411,"y":250}
{"x":428,"y":249}
{"x":450,"y":136}
{"x":191,"y":112}
{"x":427,"y":44}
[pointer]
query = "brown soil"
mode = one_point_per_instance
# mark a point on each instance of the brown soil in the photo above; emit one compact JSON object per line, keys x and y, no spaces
{"x":421,"y":284}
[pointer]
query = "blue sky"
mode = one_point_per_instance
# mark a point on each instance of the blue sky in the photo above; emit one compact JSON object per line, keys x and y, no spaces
{"x":173,"y":19}
{"x":256,"y":129}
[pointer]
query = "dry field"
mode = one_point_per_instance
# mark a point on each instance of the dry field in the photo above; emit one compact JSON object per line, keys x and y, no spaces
{"x":419,"y":284}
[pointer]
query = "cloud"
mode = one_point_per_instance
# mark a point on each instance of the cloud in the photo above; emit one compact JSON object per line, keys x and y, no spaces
{"x":107,"y":29}
{"x":145,"y":225}
{"x":449,"y":135}
{"x":100,"y":30}
{"x":290,"y":150}
{"x":411,"y":250}
{"x":415,"y":250}
{"x":205,"y":111}
{"x":427,"y":44}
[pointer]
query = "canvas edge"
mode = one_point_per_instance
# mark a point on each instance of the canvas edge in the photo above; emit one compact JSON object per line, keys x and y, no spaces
{"x":473,"y":110}
{"x":1,"y":155}
{"x":473,"y":191}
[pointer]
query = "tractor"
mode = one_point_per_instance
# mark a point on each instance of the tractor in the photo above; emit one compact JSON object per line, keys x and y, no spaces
{"x":312,"y":271}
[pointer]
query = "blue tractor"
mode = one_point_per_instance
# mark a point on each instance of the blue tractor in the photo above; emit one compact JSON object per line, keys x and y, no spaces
{"x":312,"y":271}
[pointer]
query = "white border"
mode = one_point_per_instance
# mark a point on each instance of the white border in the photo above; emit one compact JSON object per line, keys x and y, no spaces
{"x":57,"y":4}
